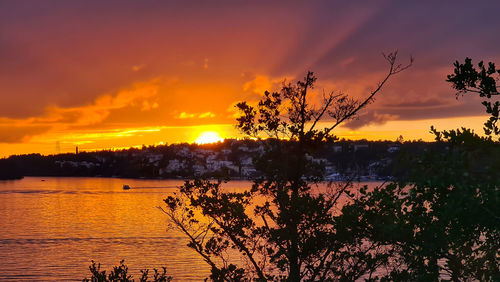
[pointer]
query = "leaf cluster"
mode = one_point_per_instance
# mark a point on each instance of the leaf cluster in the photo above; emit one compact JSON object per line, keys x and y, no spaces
{"x":466,"y":78}
{"x":120,"y":273}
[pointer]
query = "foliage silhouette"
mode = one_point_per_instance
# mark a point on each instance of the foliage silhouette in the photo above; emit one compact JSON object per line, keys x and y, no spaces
{"x":483,"y":81}
{"x":120,"y":273}
{"x":295,"y":232}
{"x":9,"y":170}
{"x":442,"y":216}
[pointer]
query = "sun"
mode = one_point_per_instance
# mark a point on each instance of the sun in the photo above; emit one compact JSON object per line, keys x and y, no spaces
{"x":208,"y":137}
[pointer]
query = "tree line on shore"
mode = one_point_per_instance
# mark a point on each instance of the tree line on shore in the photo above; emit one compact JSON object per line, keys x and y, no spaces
{"x":230,"y":158}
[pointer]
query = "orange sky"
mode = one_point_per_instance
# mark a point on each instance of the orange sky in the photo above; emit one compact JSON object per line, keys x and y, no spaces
{"x":118,"y":74}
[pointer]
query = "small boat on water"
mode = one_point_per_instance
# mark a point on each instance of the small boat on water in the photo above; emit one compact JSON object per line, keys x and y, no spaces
{"x":126,"y":187}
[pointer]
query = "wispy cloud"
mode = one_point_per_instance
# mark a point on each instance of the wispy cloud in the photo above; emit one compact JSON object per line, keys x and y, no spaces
{"x":13,"y":133}
{"x":185,"y":115}
{"x":138,"y":67}
{"x":59,"y":118}
{"x":371,"y":118}
{"x":99,"y":110}
{"x":260,"y":83}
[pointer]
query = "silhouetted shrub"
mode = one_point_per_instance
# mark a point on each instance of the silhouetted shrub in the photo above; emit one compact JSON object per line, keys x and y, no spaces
{"x":120,"y":273}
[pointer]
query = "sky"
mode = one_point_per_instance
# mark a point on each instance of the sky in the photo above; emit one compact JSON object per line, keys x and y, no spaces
{"x":115,"y":74}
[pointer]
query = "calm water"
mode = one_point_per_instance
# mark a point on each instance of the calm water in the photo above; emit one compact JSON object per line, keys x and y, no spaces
{"x":50,"y":230}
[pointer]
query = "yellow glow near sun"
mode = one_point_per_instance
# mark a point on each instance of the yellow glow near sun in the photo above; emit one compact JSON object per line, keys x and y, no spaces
{"x":208,"y":137}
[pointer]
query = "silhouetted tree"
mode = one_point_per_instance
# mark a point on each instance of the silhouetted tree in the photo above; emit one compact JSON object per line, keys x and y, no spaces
{"x":296,"y":233}
{"x":9,"y":169}
{"x":442,"y":216}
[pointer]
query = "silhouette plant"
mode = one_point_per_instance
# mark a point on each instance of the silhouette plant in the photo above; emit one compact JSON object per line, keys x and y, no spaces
{"x":482,"y":81}
{"x":120,"y":273}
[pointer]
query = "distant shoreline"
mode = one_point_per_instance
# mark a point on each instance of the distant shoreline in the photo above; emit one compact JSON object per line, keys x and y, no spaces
{"x":231,"y":159}
{"x":180,"y":179}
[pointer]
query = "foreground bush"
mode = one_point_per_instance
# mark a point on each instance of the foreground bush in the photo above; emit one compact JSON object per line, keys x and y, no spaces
{"x":120,"y":273}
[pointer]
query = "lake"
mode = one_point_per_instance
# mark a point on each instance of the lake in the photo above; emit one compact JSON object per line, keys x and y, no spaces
{"x":52,"y":227}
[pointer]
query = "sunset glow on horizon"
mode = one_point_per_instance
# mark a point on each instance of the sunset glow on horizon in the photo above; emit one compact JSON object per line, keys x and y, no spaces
{"x":208,"y":137}
{"x":109,"y":75}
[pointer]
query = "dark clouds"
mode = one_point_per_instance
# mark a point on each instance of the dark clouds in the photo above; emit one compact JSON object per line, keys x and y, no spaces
{"x":369,"y":119}
{"x":17,"y":134}
{"x":67,"y":54}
